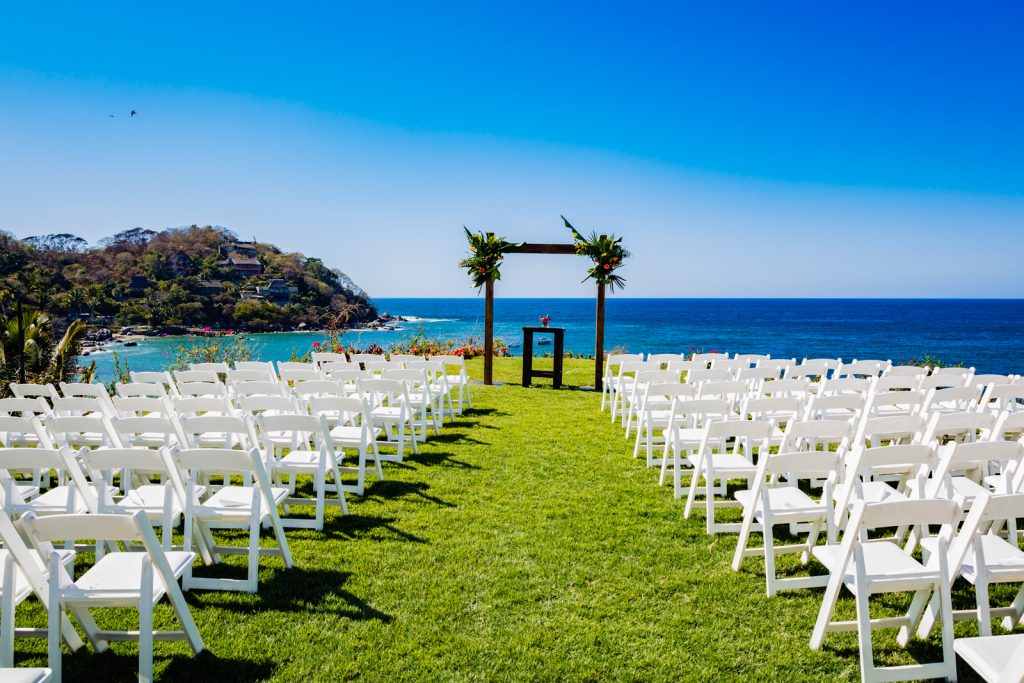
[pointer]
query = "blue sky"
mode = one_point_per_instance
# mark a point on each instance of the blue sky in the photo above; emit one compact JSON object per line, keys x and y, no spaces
{"x":743,"y":149}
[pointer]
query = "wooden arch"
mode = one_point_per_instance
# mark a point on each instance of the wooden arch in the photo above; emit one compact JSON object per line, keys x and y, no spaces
{"x":527,"y":248}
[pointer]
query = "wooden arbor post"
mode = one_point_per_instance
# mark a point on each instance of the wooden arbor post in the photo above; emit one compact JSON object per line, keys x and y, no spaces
{"x":526,"y":248}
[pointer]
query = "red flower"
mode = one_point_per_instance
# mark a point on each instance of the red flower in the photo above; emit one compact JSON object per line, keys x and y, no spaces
{"x":607,"y":266}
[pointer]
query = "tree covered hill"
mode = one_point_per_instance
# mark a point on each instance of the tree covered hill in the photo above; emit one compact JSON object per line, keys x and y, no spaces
{"x":192,"y":276}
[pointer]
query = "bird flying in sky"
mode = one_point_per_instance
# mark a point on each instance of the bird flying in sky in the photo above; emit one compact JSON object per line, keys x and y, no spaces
{"x":134,"y":112}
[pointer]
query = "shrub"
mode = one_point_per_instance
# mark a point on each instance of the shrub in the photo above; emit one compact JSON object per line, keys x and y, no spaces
{"x":228,"y":349}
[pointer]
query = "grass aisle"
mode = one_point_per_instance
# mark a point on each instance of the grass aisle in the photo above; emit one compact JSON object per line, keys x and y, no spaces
{"x":523,"y":543}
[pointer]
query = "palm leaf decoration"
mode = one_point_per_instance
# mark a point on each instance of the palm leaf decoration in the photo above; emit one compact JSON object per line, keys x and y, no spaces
{"x":486,"y":252}
{"x":607,"y":254}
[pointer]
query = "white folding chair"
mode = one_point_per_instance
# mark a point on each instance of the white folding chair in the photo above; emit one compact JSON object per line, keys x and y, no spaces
{"x":390,"y":411}
{"x":351,"y":427}
{"x":684,"y":435}
{"x":997,"y":659}
{"x":878,"y":566}
{"x":118,"y":579}
{"x":247,"y":505}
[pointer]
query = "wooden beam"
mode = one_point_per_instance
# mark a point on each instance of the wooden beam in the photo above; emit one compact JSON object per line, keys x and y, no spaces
{"x":528,"y":248}
{"x":599,"y":340}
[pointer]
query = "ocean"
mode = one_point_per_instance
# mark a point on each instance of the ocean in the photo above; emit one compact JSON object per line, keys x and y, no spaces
{"x":987,"y":334}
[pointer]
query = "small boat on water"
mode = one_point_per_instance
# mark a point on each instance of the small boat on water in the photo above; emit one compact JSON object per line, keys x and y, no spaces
{"x":543,"y":342}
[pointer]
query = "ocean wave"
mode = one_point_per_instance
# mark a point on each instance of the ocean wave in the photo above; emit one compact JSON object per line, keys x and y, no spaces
{"x":415,"y":319}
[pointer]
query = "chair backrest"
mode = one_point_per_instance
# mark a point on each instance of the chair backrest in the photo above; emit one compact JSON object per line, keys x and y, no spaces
{"x":951,"y":370}
{"x":362,"y":358}
{"x":706,"y":358}
{"x":318,"y":387}
{"x":73,"y":431}
{"x":25,"y":407}
{"x":142,"y":405}
{"x":136,"y":431}
{"x":895,"y":403}
{"x":340,"y":410}
{"x":845,"y":385}
{"x":645,"y":377}
{"x":807,"y":370}
{"x":330,"y":367}
{"x":751,"y":358}
{"x":898,"y":382}
{"x":258,"y":365}
{"x":415,"y":379}
{"x":778,"y":408}
{"x":149,"y":377}
{"x":944,"y":380}
{"x":226,"y":430}
{"x":998,"y":397}
{"x":460,"y":362}
{"x":905,"y":371}
{"x":303,"y":431}
{"x":194,"y":462}
{"x":695,"y":413}
{"x":836,"y":406}
{"x":60,"y":459}
{"x":729,"y":364}
{"x":144,"y":389}
{"x":97,"y":461}
{"x":664,"y":359}
{"x":202,"y":389}
{"x":796,"y":386}
{"x":951,"y":399}
{"x":898,"y":428}
{"x":962,"y":426}
{"x":403,"y":358}
{"x":260,"y":375}
{"x":254,"y":405}
{"x":810,"y":435}
{"x":321,"y":357}
{"x":191,"y":406}
{"x":81,"y":405}
{"x":733,"y":391}
{"x":779,"y":364}
{"x":385,"y":392}
{"x":299,"y":375}
{"x":16,"y":430}
{"x":259,"y":388}
{"x":718,"y":375}
{"x":45,"y":391}
{"x":189,"y":376}
{"x":978,"y":456}
{"x":986,"y":379}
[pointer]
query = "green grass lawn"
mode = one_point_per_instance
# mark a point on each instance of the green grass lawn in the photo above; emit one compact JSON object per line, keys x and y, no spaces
{"x":523,"y":543}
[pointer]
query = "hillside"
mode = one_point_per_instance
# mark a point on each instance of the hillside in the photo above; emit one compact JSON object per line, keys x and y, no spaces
{"x":180,"y":277}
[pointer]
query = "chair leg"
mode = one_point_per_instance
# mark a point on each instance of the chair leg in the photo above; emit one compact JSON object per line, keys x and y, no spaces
{"x":146,"y":623}
{"x":984,"y":609}
{"x":867,"y":657}
{"x":769,"y":557}
{"x":55,"y":612}
{"x":828,"y":605}
{"x":7,"y":615}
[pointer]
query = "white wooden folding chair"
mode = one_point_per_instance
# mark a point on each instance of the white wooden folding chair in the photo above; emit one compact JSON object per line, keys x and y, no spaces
{"x":684,"y":435}
{"x":655,"y":415}
{"x":88,"y":390}
{"x":458,"y":381}
{"x":75,"y":496}
{"x":390,"y":411}
{"x":879,"y":566}
{"x":775,"y":498}
{"x":25,"y":573}
{"x":119,"y":579}
{"x":26,"y":432}
{"x":302,"y":446}
{"x":245,"y":505}
{"x":79,"y":406}
{"x":265,"y":367}
{"x":997,"y":659}
{"x":152,"y":377}
{"x":47,"y":392}
{"x":439,"y":388}
{"x":351,"y":428}
{"x":716,"y":461}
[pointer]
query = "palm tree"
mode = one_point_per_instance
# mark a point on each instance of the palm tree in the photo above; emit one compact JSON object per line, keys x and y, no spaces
{"x":29,"y":352}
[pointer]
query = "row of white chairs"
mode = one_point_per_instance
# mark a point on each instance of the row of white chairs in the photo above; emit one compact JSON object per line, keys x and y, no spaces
{"x":124,"y":471}
{"x":842,"y":467}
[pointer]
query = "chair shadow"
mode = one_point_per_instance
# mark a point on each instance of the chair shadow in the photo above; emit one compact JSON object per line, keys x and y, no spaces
{"x":297,"y":590}
{"x":355,"y":526}
{"x":455,"y":438}
{"x":86,"y":665}
{"x":444,"y":459}
{"x":470,"y":412}
{"x":390,"y":489}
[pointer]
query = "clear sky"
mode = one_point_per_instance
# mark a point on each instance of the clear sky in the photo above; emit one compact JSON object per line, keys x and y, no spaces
{"x":743,"y":149}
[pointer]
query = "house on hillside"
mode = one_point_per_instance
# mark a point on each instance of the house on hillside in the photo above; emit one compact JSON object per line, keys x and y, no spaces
{"x":180,"y":264}
{"x":210,"y":287}
{"x":138,"y":285}
{"x":243,"y":266}
{"x":277,"y":291}
{"x":241,"y":249}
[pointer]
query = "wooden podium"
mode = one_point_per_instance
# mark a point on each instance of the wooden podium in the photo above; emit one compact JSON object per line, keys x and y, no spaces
{"x":528,"y":372}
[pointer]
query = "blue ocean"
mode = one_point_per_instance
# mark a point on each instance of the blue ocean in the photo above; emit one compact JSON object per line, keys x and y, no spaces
{"x":987,"y":334}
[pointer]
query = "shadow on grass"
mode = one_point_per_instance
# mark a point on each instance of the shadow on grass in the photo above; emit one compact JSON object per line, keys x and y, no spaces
{"x":298,"y":590}
{"x":456,"y":438}
{"x":444,"y":459}
{"x":110,"y":666}
{"x":390,"y":489}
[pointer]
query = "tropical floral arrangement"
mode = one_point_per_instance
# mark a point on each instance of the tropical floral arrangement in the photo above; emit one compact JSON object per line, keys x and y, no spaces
{"x":544,"y":320}
{"x":419,"y":345}
{"x":606,"y":252}
{"x":486,"y":252}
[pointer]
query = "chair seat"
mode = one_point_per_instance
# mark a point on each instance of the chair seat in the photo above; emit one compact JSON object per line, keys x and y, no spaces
{"x":1004,"y":561}
{"x":118,"y":576}
{"x":55,"y":501}
{"x":689,"y":435}
{"x":235,"y":501}
{"x":152,"y":499}
{"x":989,"y":656}
{"x":879,"y":491}
{"x":886,"y":567}
{"x":392,"y":413}
{"x":786,"y":503}
{"x":22,"y":674}
{"x":730,"y":463}
{"x":299,"y":461}
{"x":347,"y":435}
{"x":997,"y":482}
